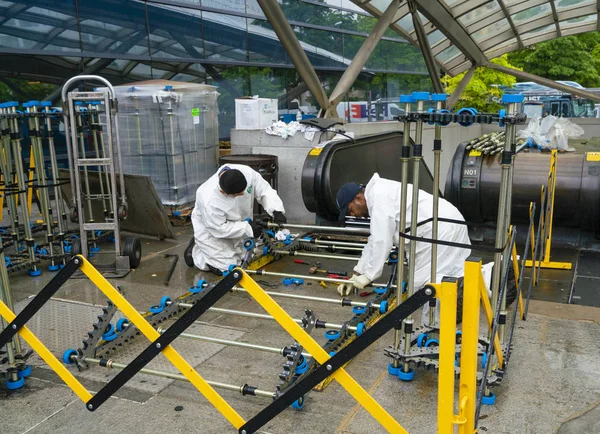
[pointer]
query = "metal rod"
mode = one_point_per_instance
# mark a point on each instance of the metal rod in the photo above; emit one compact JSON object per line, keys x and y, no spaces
{"x":275,"y":350}
{"x":316,"y":255}
{"x":437,"y":150}
{"x":7,"y":170}
{"x":22,"y":185}
{"x":417,"y":157}
{"x":308,"y":277}
{"x":110,"y":364}
{"x":509,"y":138}
{"x":535,"y":256}
{"x":60,"y":211}
{"x":483,"y":389}
{"x":402,"y":224}
{"x":333,"y":243}
{"x":259,"y":315}
{"x":340,"y":301}
{"x":357,"y":231}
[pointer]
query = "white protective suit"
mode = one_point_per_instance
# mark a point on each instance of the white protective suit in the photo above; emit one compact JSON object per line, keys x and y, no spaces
{"x":219,"y":221}
{"x":383,"y":202}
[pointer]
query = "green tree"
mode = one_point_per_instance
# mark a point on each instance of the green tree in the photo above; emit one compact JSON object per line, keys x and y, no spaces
{"x":482,"y":92}
{"x":22,"y":90}
{"x":575,"y":58}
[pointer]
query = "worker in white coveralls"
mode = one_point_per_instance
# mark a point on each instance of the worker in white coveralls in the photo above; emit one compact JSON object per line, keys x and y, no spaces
{"x":222,"y":216}
{"x":380,"y":200}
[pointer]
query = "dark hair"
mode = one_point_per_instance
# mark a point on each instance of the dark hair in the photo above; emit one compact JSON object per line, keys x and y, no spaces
{"x":232,"y":181}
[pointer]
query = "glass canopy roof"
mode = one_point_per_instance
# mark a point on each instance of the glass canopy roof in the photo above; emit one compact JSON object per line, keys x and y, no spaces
{"x":466,"y":32}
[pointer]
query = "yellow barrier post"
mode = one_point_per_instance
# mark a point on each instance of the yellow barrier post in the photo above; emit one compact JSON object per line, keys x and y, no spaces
{"x":467,"y":393}
{"x":446,"y":291}
{"x":548,"y":221}
{"x":169,"y":352}
{"x":319,"y":354}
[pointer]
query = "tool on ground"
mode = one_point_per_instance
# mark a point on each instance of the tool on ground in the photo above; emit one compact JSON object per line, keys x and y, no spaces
{"x":314,"y":270}
{"x":172,"y":267}
{"x":365,"y":293}
{"x":292,"y":281}
{"x":323,"y":284}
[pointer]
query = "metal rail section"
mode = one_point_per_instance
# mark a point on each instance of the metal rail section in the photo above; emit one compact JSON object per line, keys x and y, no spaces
{"x":328,"y":366}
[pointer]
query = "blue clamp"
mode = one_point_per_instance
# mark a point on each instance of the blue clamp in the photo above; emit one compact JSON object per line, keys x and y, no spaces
{"x":7,"y":261}
{"x":168,"y":88}
{"x":509,"y":98}
{"x":466,"y":111}
{"x":489,"y":399}
{"x":501,"y":115}
{"x":46,"y":103}
{"x":332,"y":335}
{"x":3,"y":105}
{"x":67,"y":355}
{"x":176,"y":213}
{"x":33,"y":103}
{"x":249,"y":244}
{"x":27,"y":104}
{"x":288,"y":240}
{"x":404,"y":286}
{"x":420,"y":96}
{"x":122,"y":324}
{"x":407,"y":99}
{"x":270,"y":233}
{"x":265,"y":250}
{"x":439,"y":97}
{"x":360,"y":328}
{"x":393,"y":257}
{"x":14,"y":385}
{"x":431,"y":342}
{"x":196,"y":289}
{"x":11,"y":104}
{"x":164,"y":301}
{"x":358,"y":310}
{"x":249,"y":219}
{"x":383,"y":307}
{"x":156,"y":308}
{"x":444,"y":123}
{"x":380,"y":290}
{"x":292,"y":281}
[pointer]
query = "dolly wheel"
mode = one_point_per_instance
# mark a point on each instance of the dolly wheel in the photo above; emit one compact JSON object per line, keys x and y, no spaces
{"x":133,"y":249}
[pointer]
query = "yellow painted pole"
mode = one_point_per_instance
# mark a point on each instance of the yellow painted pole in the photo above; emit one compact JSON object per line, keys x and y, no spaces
{"x":467,"y":393}
{"x":37,"y":346}
{"x":551,"y":188}
{"x":487,"y":308}
{"x":319,"y":354}
{"x":515,"y":264}
{"x":447,"y":294}
{"x":169,"y":352}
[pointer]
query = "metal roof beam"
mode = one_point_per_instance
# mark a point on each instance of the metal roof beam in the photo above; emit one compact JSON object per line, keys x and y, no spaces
{"x":544,"y":81}
{"x":452,"y":99}
{"x":435,"y":12}
{"x":292,"y":46}
{"x":510,"y":22}
{"x":361,"y":57}
{"x":555,"y":16}
{"x":425,"y":49}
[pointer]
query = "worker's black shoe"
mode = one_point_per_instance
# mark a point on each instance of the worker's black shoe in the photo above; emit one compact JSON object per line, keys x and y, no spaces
{"x":187,"y":255}
{"x":214,"y":270}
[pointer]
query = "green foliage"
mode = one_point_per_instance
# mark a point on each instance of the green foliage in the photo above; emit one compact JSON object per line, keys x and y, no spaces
{"x":575,"y":58}
{"x":481,"y":92}
{"x":23,"y":90}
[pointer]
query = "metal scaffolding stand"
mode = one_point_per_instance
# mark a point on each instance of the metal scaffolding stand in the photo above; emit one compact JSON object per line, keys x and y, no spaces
{"x":90,"y":107}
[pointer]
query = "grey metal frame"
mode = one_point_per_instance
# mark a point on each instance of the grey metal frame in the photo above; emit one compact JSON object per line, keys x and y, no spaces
{"x":108,"y":97}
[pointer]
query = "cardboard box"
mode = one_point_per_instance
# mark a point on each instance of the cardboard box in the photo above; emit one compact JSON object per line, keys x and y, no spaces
{"x":255,"y":113}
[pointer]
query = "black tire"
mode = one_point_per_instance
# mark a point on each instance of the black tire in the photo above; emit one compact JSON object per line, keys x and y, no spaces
{"x":133,"y":249}
{"x":187,"y":254}
{"x":76,"y":247}
{"x":74,"y":215}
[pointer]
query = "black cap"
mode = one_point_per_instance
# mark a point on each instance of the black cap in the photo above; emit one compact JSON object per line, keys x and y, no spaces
{"x":345,"y":195}
{"x":232,"y":181}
